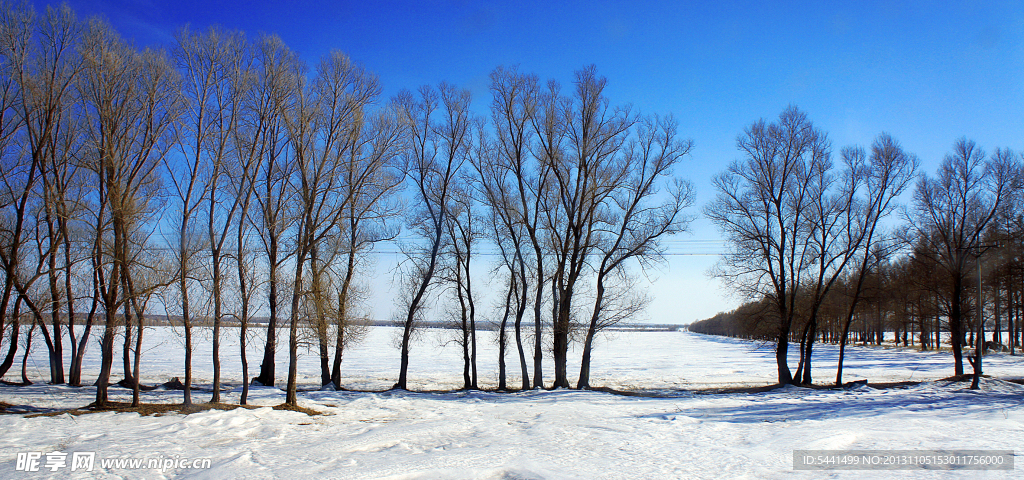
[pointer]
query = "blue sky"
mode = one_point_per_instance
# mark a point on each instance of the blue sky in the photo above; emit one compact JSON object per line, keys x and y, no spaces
{"x":926,"y":72}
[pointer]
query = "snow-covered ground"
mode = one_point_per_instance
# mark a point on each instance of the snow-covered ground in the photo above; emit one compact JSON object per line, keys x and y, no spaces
{"x":535,"y":434}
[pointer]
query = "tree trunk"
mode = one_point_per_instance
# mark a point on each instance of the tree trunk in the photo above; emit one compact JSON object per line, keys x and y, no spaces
{"x":538,"y":328}
{"x":72,"y":340}
{"x":243,"y":290}
{"x":106,"y":360}
{"x":83,"y":342}
{"x":520,"y":312}
{"x":956,"y":332}
{"x":245,"y":362}
{"x":291,"y":394}
{"x":339,"y":344}
{"x":217,"y":313}
{"x":588,"y":344}
{"x":808,"y":351}
{"x":186,"y":315}
{"x":403,"y":367}
{"x":560,"y":333}
{"x":12,"y":349}
{"x":782,"y":348}
{"x":188,"y":366}
{"x":136,"y":380}
{"x":467,"y":379}
{"x":979,"y":348}
{"x":56,"y":343}
{"x":126,"y":350}
{"x":472,"y":325}
{"x":798,"y":377}
{"x":472,"y":340}
{"x":28,"y":350}
{"x":502,"y":386}
{"x":266,"y":376}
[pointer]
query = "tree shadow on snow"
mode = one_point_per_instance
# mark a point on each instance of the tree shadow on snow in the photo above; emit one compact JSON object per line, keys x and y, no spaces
{"x":796,"y":403}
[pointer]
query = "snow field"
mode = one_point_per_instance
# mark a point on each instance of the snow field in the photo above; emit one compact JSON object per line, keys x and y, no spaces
{"x":535,"y":434}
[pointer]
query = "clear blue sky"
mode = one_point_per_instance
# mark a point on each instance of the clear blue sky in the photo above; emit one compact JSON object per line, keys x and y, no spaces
{"x":926,"y":72}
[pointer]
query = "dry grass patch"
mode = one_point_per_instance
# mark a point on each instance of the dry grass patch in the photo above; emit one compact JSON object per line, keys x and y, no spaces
{"x":158,"y":409}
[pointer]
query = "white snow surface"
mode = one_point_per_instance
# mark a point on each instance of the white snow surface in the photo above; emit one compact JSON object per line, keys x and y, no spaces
{"x":680,"y":432}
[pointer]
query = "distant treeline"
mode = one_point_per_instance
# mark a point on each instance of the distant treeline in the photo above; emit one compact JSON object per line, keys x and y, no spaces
{"x":820,"y":243}
{"x":904,"y":302}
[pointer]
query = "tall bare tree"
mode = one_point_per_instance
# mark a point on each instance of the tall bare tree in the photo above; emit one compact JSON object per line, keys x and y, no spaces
{"x":273,"y":93}
{"x":464,"y":232}
{"x":514,"y":113}
{"x":253,"y":136}
{"x":498,"y":188}
{"x":40,"y":64}
{"x":372,"y":178}
{"x":320,"y":126}
{"x":631,"y":225}
{"x":198,"y":57}
{"x":585,"y":174}
{"x":436,"y":151}
{"x":890,"y":172}
{"x":216,"y":68}
{"x":131,"y":99}
{"x":952,"y":211}
{"x":22,"y":165}
{"x":17,"y":174}
{"x":762,"y":208}
{"x":51,"y":130}
{"x":836,"y":230}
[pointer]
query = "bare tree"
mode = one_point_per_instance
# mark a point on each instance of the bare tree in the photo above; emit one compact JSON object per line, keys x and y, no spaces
{"x":51,"y":132}
{"x":584,"y":176}
{"x":762,"y":208}
{"x":836,"y":230}
{"x":514,"y":105}
{"x":131,"y":100}
{"x":463,"y":230}
{"x":321,"y":125}
{"x":631,"y":227}
{"x":498,"y":189}
{"x":273,"y":93}
{"x":372,"y":179}
{"x":18,"y":177}
{"x":200,"y":58}
{"x":890,"y":171}
{"x":436,"y":152}
{"x":21,"y":171}
{"x":951,"y":212}
{"x":250,"y":141}
{"x":216,"y":68}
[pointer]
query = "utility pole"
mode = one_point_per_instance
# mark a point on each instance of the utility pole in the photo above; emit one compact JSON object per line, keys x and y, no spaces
{"x":979,"y":338}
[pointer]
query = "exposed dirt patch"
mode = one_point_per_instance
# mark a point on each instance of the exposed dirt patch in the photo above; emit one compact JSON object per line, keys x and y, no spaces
{"x":296,"y":408}
{"x":967,"y":377}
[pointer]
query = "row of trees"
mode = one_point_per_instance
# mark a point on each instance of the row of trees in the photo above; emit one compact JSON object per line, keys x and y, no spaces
{"x":811,"y":247}
{"x":225,"y":180}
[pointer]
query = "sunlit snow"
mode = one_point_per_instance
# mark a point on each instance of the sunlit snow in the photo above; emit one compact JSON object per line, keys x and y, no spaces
{"x":678,"y":431}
